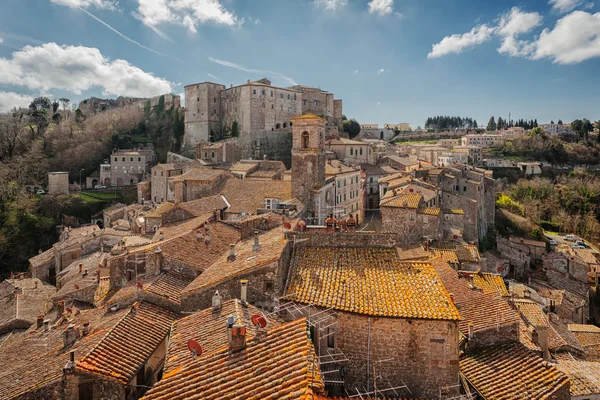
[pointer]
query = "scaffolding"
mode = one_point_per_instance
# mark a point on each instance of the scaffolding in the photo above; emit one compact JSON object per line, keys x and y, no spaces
{"x":380,"y":387}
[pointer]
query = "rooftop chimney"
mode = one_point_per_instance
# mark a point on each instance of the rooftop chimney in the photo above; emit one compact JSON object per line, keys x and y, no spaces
{"x":40,"y":321}
{"x":236,"y":333}
{"x":46,"y":325}
{"x":216,"y":301}
{"x":71,"y":363}
{"x":86,"y":329}
{"x":256,"y":245}
{"x":471,"y":333}
{"x":60,"y":307}
{"x":71,"y":335}
{"x":542,"y":340}
{"x":80,"y":267}
{"x":232,"y":253}
{"x":244,"y":291}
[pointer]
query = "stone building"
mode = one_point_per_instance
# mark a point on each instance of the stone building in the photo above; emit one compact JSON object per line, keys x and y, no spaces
{"x":258,"y":169}
{"x":351,"y":151}
{"x":58,"y":183}
{"x":372,"y":174}
{"x":349,"y":193}
{"x":407,"y":215}
{"x":379,"y":320}
{"x":254,"y":106}
{"x":219,"y":154}
{"x":373,"y":131}
{"x":485,"y":140}
{"x":127,"y":167}
{"x":197,"y":183}
{"x":473,"y":153}
{"x":472,"y":190}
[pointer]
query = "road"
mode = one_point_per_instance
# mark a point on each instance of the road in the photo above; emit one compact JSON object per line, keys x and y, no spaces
{"x":562,"y":242}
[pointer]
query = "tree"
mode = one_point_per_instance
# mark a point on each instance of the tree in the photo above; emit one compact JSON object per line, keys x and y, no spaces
{"x":352,"y":128}
{"x":475,"y":124}
{"x":235,"y":129}
{"x":491,"y":126}
{"x":582,"y":128}
{"x":65,"y":103}
{"x":551,"y":122}
{"x":560,"y":122}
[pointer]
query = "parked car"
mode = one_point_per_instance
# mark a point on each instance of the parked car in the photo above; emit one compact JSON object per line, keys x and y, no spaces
{"x":100,"y":187}
{"x":552,"y":242}
{"x":577,"y":246}
{"x":40,"y":192}
{"x":580,"y":242}
{"x":570,"y":238}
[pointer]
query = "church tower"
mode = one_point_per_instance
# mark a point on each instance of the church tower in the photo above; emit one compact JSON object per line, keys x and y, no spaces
{"x":308,"y":158}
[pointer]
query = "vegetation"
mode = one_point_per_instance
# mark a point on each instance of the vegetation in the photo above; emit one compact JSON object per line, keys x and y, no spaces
{"x":444,"y":122}
{"x":47,"y":136}
{"x":566,"y":204}
{"x":351,"y":127}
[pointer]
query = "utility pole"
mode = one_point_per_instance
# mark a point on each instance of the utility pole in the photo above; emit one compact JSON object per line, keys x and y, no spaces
{"x":80,"y":171}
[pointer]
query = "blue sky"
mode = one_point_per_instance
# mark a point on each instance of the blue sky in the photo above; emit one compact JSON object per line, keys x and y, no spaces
{"x":389,"y":60}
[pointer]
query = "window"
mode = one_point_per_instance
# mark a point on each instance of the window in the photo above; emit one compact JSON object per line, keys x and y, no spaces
{"x":271,"y":93}
{"x":139,"y":158}
{"x":464,"y":188}
{"x":205,"y":155}
{"x":253,"y":91}
{"x":268,"y":204}
{"x":425,"y":219}
{"x":280,"y":108}
{"x":86,"y":391}
{"x":331,"y":337}
{"x":197,"y":98}
{"x":269,"y":286}
{"x":361,"y":151}
{"x":304,"y":102}
{"x":263,"y":91}
{"x":316,"y":103}
{"x":338,"y":184}
{"x":412,"y":217}
{"x":130,"y":158}
{"x":294,"y":96}
{"x":263,"y":105}
{"x":305,"y":140}
{"x":371,"y":190}
{"x":344,"y":199}
{"x":288,"y":96}
{"x":344,"y":181}
{"x":116,"y":159}
{"x":281,"y":95}
{"x":288,"y":109}
{"x":123,"y":159}
{"x":371,"y":179}
{"x":213,"y":154}
{"x":214,"y":99}
{"x":351,"y":151}
{"x":73,"y":256}
{"x":272,"y":106}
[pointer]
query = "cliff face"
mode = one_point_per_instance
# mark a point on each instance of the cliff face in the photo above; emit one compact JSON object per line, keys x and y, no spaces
{"x":94,"y":105}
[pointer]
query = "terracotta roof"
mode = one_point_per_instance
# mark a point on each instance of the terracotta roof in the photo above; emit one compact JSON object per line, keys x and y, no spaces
{"x":584,"y":375}
{"x":272,"y":246}
{"x":429,"y":211}
{"x":207,"y":327}
{"x":413,"y":253}
{"x":26,"y":305}
{"x":587,"y":335}
{"x":409,"y":200}
{"x":484,"y":311}
{"x":468,"y":253}
{"x":447,"y":255}
{"x":160,"y":210}
{"x":345,"y":142}
{"x":128,"y":345}
{"x":204,"y":205}
{"x":244,"y":166}
{"x":455,"y":211}
{"x":28,"y":366}
{"x":171,"y":230}
{"x":335,"y":167}
{"x":279,"y":366}
{"x":42,"y":257}
{"x":501,"y":372}
{"x":201,"y":174}
{"x":308,"y":116}
{"x":490,"y":283}
{"x":169,"y":286}
{"x":249,"y":195}
{"x":369,"y":281}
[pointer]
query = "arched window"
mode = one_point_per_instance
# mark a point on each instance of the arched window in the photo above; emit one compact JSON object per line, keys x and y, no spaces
{"x":277,"y":126}
{"x":285,"y":124}
{"x":305,"y":140}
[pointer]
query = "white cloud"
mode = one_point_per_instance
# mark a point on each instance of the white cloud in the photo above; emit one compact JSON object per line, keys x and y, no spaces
{"x":188,"y":13}
{"x":101,"y":4}
{"x":458,"y":42}
{"x":564,"y":6}
{"x":214,"y":77}
{"x":1,"y":40}
{"x":331,"y":5}
{"x":182,"y":98}
{"x":355,"y":72}
{"x":239,"y":67}
{"x":256,"y":21}
{"x":76,"y":69}
{"x":511,"y":25}
{"x":381,"y":7}
{"x":574,"y":38}
{"x":8,"y":100}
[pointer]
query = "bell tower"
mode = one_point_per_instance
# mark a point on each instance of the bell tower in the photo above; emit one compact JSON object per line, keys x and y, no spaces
{"x":308,"y":158}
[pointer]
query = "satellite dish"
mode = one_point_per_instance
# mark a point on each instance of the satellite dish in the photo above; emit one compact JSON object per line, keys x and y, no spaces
{"x":500,"y":269}
{"x":287,"y":225}
{"x":259,"y":321}
{"x":140,"y":285}
{"x":194,"y":348}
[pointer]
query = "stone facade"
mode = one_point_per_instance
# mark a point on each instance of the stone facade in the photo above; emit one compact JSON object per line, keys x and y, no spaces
{"x":255,"y":106}
{"x":224,"y":153}
{"x":408,"y":224}
{"x":58,"y":182}
{"x":127,"y":167}
{"x":517,"y":255}
{"x":160,"y":181}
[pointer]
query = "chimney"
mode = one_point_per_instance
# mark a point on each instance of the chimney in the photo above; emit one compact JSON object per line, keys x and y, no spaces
{"x":216,"y":301}
{"x":236,"y":333}
{"x":46,"y":325}
{"x":86,"y":329}
{"x":98,"y":276}
{"x":60,"y":307}
{"x":80,"y":267}
{"x":21,"y":275}
{"x":232,"y":253}
{"x":471,"y":333}
{"x":85,"y":272}
{"x":542,"y":341}
{"x":35,"y":284}
{"x":256,"y":245}
{"x":40,"y":321}
{"x":71,"y":335}
{"x":70,"y":364}
{"x":244,"y":291}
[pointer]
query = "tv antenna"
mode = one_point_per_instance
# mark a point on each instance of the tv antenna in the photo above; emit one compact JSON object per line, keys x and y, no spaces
{"x":195,"y":348}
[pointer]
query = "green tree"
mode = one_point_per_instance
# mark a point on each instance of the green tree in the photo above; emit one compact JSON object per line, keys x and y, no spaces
{"x":560,"y":122}
{"x":351,"y":127}
{"x":491,"y":126}
{"x":235,"y":129}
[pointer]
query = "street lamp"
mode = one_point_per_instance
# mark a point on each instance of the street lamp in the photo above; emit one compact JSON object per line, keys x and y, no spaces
{"x":80,"y":171}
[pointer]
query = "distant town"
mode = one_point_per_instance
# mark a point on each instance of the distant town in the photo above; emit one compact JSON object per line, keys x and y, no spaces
{"x":259,"y":244}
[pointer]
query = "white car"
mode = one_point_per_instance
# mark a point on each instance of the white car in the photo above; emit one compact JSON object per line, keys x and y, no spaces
{"x":552,"y":242}
{"x":40,"y":192}
{"x":570,"y":238}
{"x":100,"y":187}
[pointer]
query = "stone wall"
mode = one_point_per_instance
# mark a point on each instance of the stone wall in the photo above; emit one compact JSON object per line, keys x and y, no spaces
{"x":423,"y":354}
{"x":144,"y":193}
{"x":346,"y":239}
{"x":398,"y":221}
{"x":518,"y":257}
{"x":275,"y":145}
